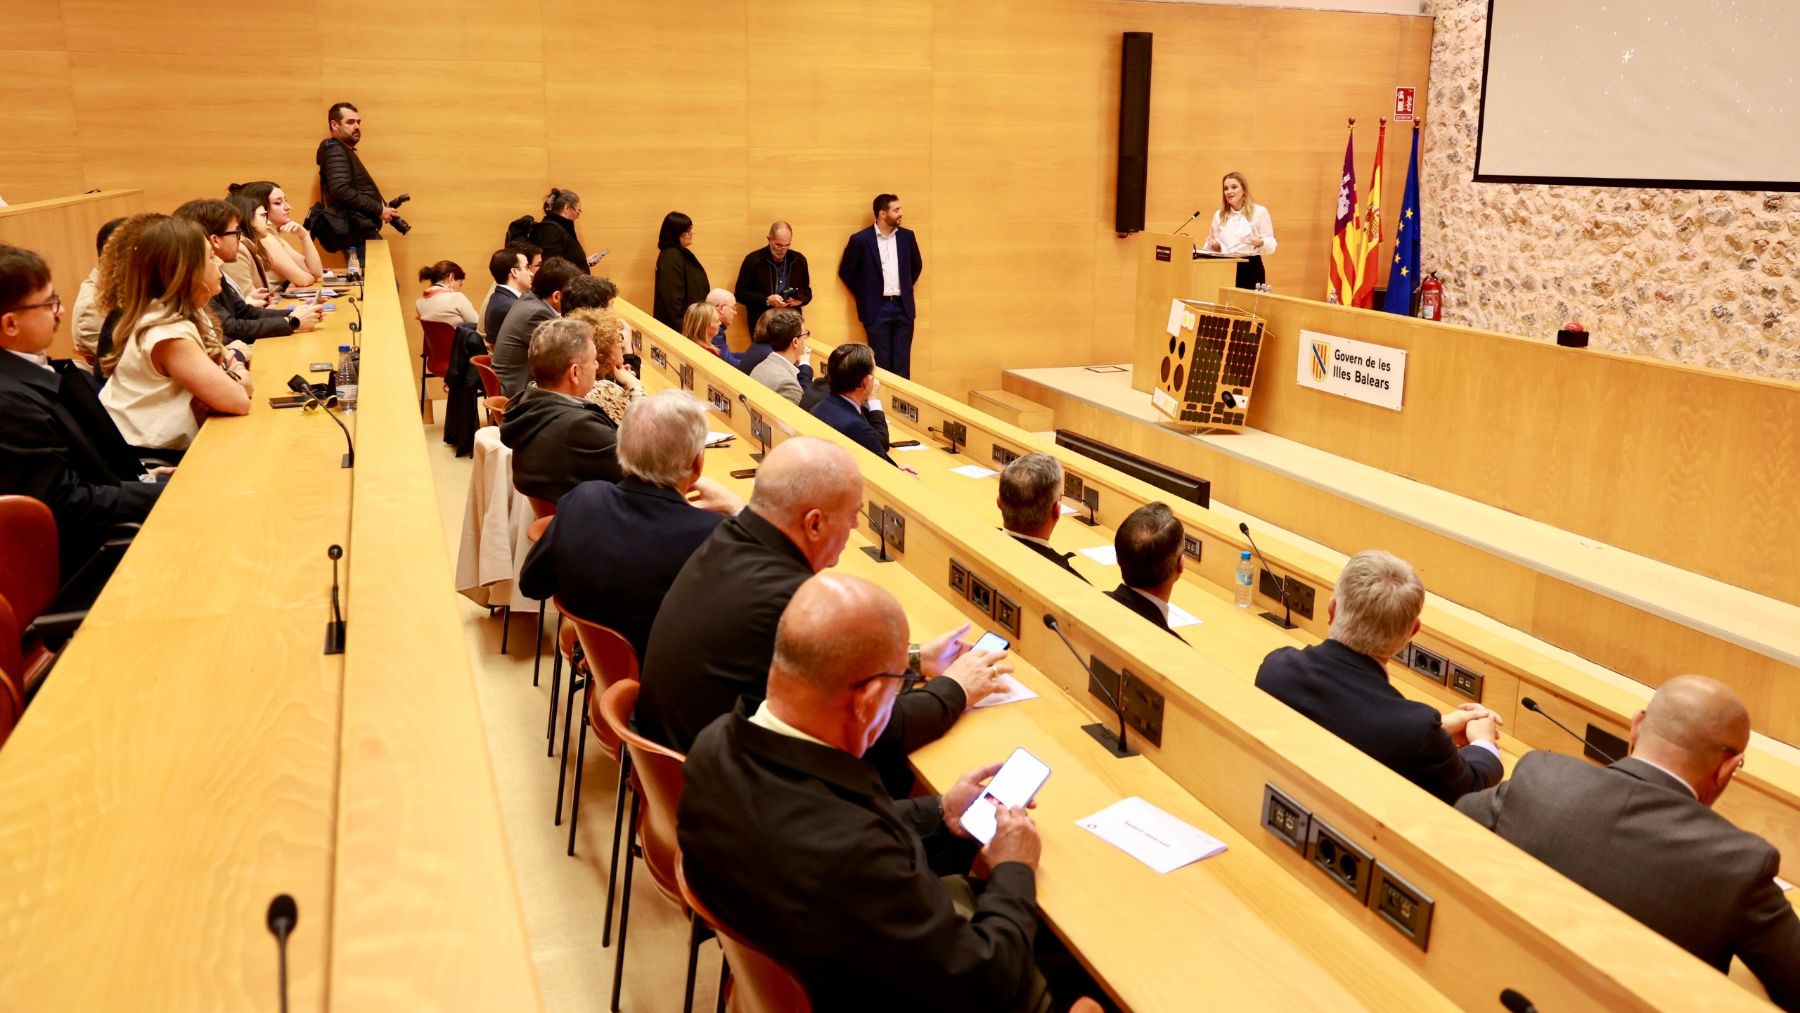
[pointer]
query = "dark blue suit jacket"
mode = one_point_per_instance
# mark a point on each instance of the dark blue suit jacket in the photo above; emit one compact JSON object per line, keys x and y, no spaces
{"x":861,"y":271}
{"x":837,"y":412}
{"x":613,"y":551}
{"x":1349,"y":694}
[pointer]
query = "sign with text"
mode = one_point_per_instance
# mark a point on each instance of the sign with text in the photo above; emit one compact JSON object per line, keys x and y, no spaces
{"x":1375,"y":374}
{"x":1403,"y":103}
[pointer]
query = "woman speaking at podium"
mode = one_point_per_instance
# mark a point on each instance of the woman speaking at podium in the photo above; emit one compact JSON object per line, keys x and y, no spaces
{"x":1241,"y":228}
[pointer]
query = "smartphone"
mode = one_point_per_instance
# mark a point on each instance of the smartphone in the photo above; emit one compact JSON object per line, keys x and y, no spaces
{"x":288,"y":401}
{"x":903,"y":443}
{"x":744,"y":473}
{"x":1016,"y":783}
{"x":992,"y":642}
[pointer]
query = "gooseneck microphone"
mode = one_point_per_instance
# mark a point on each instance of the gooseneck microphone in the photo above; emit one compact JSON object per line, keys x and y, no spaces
{"x":1516,"y":1002}
{"x":356,"y":325}
{"x":283,"y":915}
{"x":1115,"y":744}
{"x":1190,"y":221}
{"x":298,"y":385}
{"x":334,"y":628}
{"x":1286,"y":621}
{"x":1532,"y":706}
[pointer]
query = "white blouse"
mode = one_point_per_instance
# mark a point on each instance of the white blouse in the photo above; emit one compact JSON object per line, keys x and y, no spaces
{"x":446,"y":306}
{"x":1233,"y":232}
{"x":150,"y":408}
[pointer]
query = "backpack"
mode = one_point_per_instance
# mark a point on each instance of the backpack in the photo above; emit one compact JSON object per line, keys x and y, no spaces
{"x":519,"y":230}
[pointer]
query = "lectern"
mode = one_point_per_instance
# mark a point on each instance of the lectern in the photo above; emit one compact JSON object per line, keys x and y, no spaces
{"x":1168,"y":270}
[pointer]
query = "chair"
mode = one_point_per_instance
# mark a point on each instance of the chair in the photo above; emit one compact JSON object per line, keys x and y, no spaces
{"x":496,"y":409}
{"x":610,"y":660}
{"x":434,"y":354}
{"x":30,"y":569}
{"x":12,"y":686}
{"x":545,"y":511}
{"x":757,"y":984}
{"x":493,"y":401}
{"x":656,"y":782}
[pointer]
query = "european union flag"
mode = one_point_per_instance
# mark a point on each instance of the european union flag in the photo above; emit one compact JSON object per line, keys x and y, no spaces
{"x":1403,"y":271}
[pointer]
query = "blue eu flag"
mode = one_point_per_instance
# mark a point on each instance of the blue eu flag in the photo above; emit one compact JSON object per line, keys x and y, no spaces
{"x":1403,"y":271}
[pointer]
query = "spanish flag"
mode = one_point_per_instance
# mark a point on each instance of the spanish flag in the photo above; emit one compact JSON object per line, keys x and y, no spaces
{"x":1345,"y":254}
{"x":1369,"y":228}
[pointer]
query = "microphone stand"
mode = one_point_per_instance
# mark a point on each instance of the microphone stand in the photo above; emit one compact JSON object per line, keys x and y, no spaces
{"x":1115,"y":744}
{"x":335,"y":628}
{"x":1532,"y":706}
{"x":282,"y":917}
{"x":1286,"y":621}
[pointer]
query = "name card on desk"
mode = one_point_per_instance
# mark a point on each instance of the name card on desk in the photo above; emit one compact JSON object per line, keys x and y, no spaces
{"x":1372,"y":374}
{"x":1150,"y":835}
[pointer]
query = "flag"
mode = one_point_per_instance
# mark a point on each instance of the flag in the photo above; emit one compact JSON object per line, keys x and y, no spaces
{"x":1368,"y":252}
{"x":1403,"y":272}
{"x":1343,"y":253}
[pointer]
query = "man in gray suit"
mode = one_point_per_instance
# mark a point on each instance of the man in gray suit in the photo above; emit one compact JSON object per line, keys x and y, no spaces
{"x":1642,"y":834}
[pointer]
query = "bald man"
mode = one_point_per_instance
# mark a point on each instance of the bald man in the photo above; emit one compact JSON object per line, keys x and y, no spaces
{"x":1642,"y":834}
{"x":715,"y":633}
{"x":725,"y":304}
{"x":792,"y":842}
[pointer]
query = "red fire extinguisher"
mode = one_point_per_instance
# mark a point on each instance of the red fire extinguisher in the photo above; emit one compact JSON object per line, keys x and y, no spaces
{"x":1431,"y":298}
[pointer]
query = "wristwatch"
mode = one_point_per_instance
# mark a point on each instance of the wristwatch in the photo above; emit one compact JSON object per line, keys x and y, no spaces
{"x":915,"y":658}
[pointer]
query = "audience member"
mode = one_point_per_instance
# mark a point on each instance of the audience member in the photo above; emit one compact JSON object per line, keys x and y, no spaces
{"x":703,"y":657}
{"x":555,"y":234}
{"x":87,"y":318}
{"x":345,"y":185}
{"x":558,"y":439}
{"x":680,"y":280}
{"x":1342,"y":684}
{"x":783,"y":367}
{"x":773,"y":277}
{"x":789,"y":838}
{"x":1148,"y":546}
{"x":302,"y":268}
{"x":512,"y":269}
{"x":1030,"y":504}
{"x":239,"y":320}
{"x":853,"y":409}
{"x":1641,"y":833}
{"x":58,"y":445}
{"x":725,"y":305}
{"x":247,"y":270}
{"x":513,"y":342}
{"x":881,"y":264}
{"x":169,"y":368}
{"x":113,"y":271}
{"x":699,"y":324}
{"x":443,"y":301}
{"x":615,"y":547}
{"x":617,"y":386}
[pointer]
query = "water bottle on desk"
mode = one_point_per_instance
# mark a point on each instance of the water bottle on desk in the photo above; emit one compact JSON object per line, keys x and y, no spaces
{"x":344,"y":379}
{"x":1246,"y":577}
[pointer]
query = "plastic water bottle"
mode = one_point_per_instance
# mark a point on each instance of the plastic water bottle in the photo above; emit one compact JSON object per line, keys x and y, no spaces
{"x":1246,"y":577}
{"x":344,"y":379}
{"x":352,"y":264}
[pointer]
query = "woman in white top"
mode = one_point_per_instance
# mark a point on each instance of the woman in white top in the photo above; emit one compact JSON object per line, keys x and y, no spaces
{"x":1242,"y":228}
{"x":169,"y":369}
{"x":302,"y":268}
{"x":443,"y":301}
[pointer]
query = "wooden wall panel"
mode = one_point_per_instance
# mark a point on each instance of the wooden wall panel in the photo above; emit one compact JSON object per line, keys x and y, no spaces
{"x":43,"y":158}
{"x":62,"y":232}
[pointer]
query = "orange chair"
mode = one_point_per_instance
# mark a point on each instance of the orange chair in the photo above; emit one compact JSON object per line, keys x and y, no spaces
{"x":756,"y":984}
{"x":496,"y":409}
{"x":545,"y":510}
{"x":12,"y":686}
{"x":610,"y":660}
{"x":490,"y":380}
{"x":656,"y":783}
{"x":434,"y":354}
{"x":30,"y":572}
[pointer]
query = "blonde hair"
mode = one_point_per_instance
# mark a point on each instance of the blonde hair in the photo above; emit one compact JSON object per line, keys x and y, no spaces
{"x":701,"y":323}
{"x":159,"y":282}
{"x":1379,"y":597}
{"x":113,"y":256}
{"x":1225,"y":205}
{"x":609,"y":332}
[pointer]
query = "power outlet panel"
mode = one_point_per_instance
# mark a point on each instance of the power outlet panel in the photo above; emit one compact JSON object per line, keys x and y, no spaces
{"x":1006,"y":614}
{"x":719,"y":400}
{"x":1340,"y":858}
{"x":1465,"y":682}
{"x":1004,"y":456}
{"x":876,"y":517}
{"x":1402,"y":905}
{"x":658,"y":356}
{"x":905,"y":409}
{"x":1431,"y":666}
{"x":1300,"y":594}
{"x":1190,"y":547}
{"x":685,"y":373}
{"x":1285,"y":818}
{"x":895,"y":530}
{"x":1142,"y":703}
{"x":959,"y":579}
{"x":1073,"y":486}
{"x":981,"y":595}
{"x":956,"y":432}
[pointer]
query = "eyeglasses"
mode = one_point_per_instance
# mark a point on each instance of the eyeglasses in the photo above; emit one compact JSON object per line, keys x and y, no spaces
{"x":315,"y":405}
{"x":805,"y":334}
{"x":54,"y":304}
{"x":908,"y":680}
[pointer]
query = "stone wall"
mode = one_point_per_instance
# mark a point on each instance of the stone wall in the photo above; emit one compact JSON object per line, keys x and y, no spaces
{"x":1705,"y":277}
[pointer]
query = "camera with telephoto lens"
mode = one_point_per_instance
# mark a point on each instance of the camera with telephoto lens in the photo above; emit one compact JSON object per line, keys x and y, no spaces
{"x":400,"y":224}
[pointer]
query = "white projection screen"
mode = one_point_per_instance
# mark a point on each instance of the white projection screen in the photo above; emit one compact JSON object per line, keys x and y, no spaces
{"x":1660,"y":93}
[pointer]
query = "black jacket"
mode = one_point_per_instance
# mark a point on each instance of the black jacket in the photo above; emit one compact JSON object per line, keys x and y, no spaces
{"x":499,"y":301}
{"x":556,"y":235}
{"x":347,"y":187}
{"x":794,"y":845}
{"x":756,"y":282}
{"x":557,"y":443}
{"x":1348,"y":693}
{"x":1059,"y":558}
{"x":714,"y":638}
{"x":680,"y":283}
{"x":59,"y":446}
{"x":1143,"y":606}
{"x":867,"y":428}
{"x":613,"y":551}
{"x":244,"y":322}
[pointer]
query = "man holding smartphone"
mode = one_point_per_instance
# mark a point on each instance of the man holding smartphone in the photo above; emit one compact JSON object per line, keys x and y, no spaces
{"x":790,"y":839}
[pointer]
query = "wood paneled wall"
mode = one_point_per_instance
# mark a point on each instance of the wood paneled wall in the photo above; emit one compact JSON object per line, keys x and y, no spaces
{"x":62,"y":231}
{"x":994,"y":122}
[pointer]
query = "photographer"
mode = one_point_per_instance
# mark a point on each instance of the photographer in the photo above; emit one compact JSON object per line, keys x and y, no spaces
{"x":353,"y":209}
{"x":774,"y":276}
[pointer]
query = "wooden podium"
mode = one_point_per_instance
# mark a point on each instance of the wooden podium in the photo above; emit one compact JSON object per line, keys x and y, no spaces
{"x":1168,"y":270}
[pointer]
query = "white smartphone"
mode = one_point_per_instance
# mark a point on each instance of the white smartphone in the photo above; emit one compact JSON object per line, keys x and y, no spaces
{"x":991,"y":642}
{"x":1016,"y":783}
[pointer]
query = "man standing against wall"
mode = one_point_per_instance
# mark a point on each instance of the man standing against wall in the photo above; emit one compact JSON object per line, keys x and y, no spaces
{"x":880,"y":266}
{"x":774,"y":277}
{"x":345,"y":186}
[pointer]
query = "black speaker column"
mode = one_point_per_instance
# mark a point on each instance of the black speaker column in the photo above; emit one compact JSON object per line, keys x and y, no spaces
{"x":1134,"y":133}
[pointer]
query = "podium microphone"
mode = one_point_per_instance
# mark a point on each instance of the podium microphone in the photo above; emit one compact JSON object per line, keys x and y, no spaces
{"x":1532,"y":706}
{"x":1286,"y":621}
{"x":1115,"y":744}
{"x":1190,"y":221}
{"x":334,"y":628}
{"x":283,"y":915}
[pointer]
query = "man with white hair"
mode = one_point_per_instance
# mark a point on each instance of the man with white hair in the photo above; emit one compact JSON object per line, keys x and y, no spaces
{"x":724,"y":304}
{"x":615,"y":547}
{"x":713,"y":639}
{"x":1342,"y":684}
{"x":1642,"y":834}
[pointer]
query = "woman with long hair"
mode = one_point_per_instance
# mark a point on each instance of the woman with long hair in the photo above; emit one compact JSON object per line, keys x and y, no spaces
{"x":300,"y":268}
{"x":1241,"y":227}
{"x":250,"y":271}
{"x":444,"y":301}
{"x":168,"y":367}
{"x":700,"y":324}
{"x":680,"y":280}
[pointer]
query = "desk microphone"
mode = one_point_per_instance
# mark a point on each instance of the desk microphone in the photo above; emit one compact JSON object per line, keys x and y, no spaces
{"x":298,"y":385}
{"x":1190,"y":221}
{"x":1115,"y":745}
{"x":356,"y":325}
{"x":334,"y":629}
{"x":1516,"y":1002}
{"x":1286,"y":621}
{"x":1532,"y":706}
{"x":282,"y":917}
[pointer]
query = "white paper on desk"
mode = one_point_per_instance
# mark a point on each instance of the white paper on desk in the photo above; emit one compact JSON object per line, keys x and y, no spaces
{"x":1179,"y":617}
{"x":1065,"y":508}
{"x":719,"y":439}
{"x":1011,"y":691}
{"x":1150,"y":835}
{"x":916,"y":446}
{"x":1105,"y":555}
{"x":1175,"y":312}
{"x":1784,"y":884}
{"x":975,"y":471}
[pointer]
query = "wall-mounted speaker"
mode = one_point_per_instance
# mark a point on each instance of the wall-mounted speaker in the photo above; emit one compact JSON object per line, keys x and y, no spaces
{"x":1134,"y":133}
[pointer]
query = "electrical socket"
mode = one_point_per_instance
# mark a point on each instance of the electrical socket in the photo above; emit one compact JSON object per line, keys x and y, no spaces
{"x":658,"y":356}
{"x":1348,"y":865}
{"x":1003,"y":456}
{"x":1300,"y":594}
{"x":1402,"y":905}
{"x":1006,"y":614}
{"x":895,"y":532}
{"x":981,"y":595}
{"x":1428,"y":664}
{"x":718,"y":399}
{"x":686,"y":375}
{"x":1073,"y":486}
{"x":905,"y":409}
{"x":1190,"y":547}
{"x":959,"y":579}
{"x":1285,"y":818}
{"x":1465,"y":682}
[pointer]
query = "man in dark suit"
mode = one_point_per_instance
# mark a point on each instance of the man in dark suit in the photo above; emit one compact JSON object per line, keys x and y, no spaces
{"x":852,"y":407}
{"x":1031,"y":503}
{"x":558,"y":438}
{"x":557,"y":288}
{"x":703,"y":656}
{"x":773,"y":277}
{"x":58,"y":444}
{"x":237,"y":318}
{"x":1342,"y":684}
{"x":512,"y":269}
{"x":790,"y":840}
{"x":615,"y":548}
{"x":1642,"y":833}
{"x":880,"y":266}
{"x":1148,"y":546}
